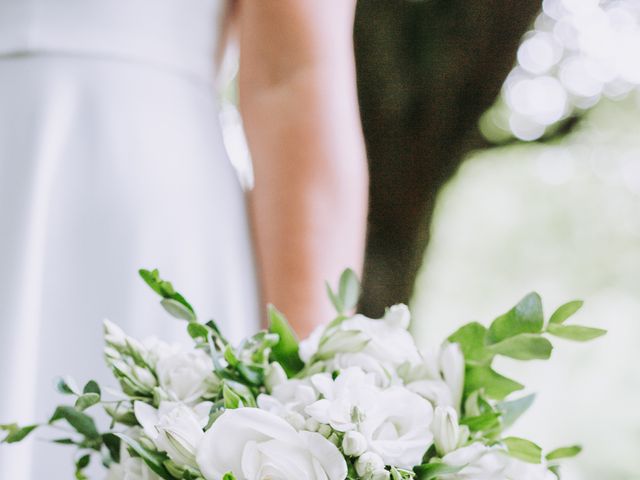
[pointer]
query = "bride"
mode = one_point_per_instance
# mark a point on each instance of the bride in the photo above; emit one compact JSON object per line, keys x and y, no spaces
{"x":111,"y":159}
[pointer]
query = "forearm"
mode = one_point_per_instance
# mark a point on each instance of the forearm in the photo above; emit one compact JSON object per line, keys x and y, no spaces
{"x":308,"y":207}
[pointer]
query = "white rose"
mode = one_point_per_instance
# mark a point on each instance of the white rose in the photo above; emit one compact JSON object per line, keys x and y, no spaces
{"x":256,"y":445}
{"x":288,"y":400}
{"x":398,"y":428}
{"x":174,"y":428}
{"x":492,"y":463}
{"x":185,"y":375}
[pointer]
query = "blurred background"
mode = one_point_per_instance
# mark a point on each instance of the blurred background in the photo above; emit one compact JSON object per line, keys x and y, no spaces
{"x":504,"y":147}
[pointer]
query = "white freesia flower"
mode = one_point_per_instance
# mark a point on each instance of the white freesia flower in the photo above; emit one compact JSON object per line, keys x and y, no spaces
{"x":174,"y":428}
{"x":398,"y":428}
{"x":378,"y":346}
{"x":346,"y":400}
{"x":439,"y":377}
{"x":480,"y":462}
{"x":447,"y":433}
{"x":185,"y":375}
{"x":256,"y":445}
{"x":275,"y":376}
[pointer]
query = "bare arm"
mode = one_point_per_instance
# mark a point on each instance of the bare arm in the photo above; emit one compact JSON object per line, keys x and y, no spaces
{"x":299,"y":106}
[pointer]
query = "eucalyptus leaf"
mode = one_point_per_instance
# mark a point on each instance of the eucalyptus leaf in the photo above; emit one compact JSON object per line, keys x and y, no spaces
{"x":564,"y":452}
{"x":177,"y":310}
{"x":66,"y":386}
{"x":163,"y":288}
{"x":197,"y":330}
{"x":577,"y":333}
{"x":92,"y":387}
{"x":231,"y":398}
{"x":525,"y":317}
{"x":17,"y":434}
{"x":335,"y":299}
{"x":523,"y":449}
{"x":471,"y":338}
{"x":482,"y":423}
{"x":512,"y":410}
{"x":87,"y":400}
{"x":565,"y":311}
{"x":81,"y":422}
{"x":524,"y":346}
{"x":495,"y":386}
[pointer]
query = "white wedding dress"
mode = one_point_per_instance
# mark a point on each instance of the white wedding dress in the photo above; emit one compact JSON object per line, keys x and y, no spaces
{"x":111,"y":159}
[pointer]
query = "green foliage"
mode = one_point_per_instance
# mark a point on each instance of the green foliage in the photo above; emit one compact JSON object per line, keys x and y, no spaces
{"x":565,"y":311}
{"x":15,"y":433}
{"x":575,"y":332}
{"x":524,"y":346}
{"x":285,"y":351}
{"x":512,"y":410}
{"x":80,"y":421}
{"x":471,"y":338}
{"x":564,"y":452}
{"x":346,"y":298}
{"x":493,"y":384}
{"x":525,"y":317}
{"x":172,"y":301}
{"x":431,"y":471}
{"x":523,"y":449}
{"x":154,"y":460}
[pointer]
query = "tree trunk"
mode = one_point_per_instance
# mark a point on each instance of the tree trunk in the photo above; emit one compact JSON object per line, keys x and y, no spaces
{"x":427,"y":70}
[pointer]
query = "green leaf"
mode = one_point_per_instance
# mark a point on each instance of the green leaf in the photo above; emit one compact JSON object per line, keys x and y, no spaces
{"x":495,"y":386}
{"x":525,"y":346}
{"x":164,"y":289}
{"x":83,"y":423}
{"x":485,"y":422}
{"x":565,"y":311}
{"x":197,"y":330}
{"x":471,"y":338}
{"x":16,"y":433}
{"x":349,"y":289}
{"x":575,"y":332}
{"x":177,"y":310}
{"x":91,"y":387}
{"x":112,"y":442}
{"x":231,"y":398}
{"x":564,"y":452}
{"x":523,"y":449}
{"x":253,"y":375}
{"x":229,"y":476}
{"x":83,"y":462}
{"x":87,"y":400}
{"x":335,"y":299}
{"x":431,"y":471}
{"x":66,"y":386}
{"x":513,"y":409}
{"x":154,"y":460}
{"x":525,"y":317}
{"x":285,"y":352}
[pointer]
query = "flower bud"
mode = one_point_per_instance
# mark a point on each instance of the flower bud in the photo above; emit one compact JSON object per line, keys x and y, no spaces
{"x":398,"y":316}
{"x":325,"y":430}
{"x":311,"y":425}
{"x":354,"y":444}
{"x":446,"y":430}
{"x":380,"y":475}
{"x":295,"y":420}
{"x":368,"y":464}
{"x":113,"y":334}
{"x":275,"y":376}
{"x":144,"y":376}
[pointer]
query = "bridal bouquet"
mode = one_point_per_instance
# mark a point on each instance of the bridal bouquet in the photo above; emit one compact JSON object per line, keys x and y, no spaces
{"x":355,"y":400}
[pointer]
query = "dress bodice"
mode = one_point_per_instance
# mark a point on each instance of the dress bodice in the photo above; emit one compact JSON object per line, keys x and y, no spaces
{"x":176,"y":34}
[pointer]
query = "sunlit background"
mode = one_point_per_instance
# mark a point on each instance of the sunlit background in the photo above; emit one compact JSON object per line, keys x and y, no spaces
{"x":556,"y":209}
